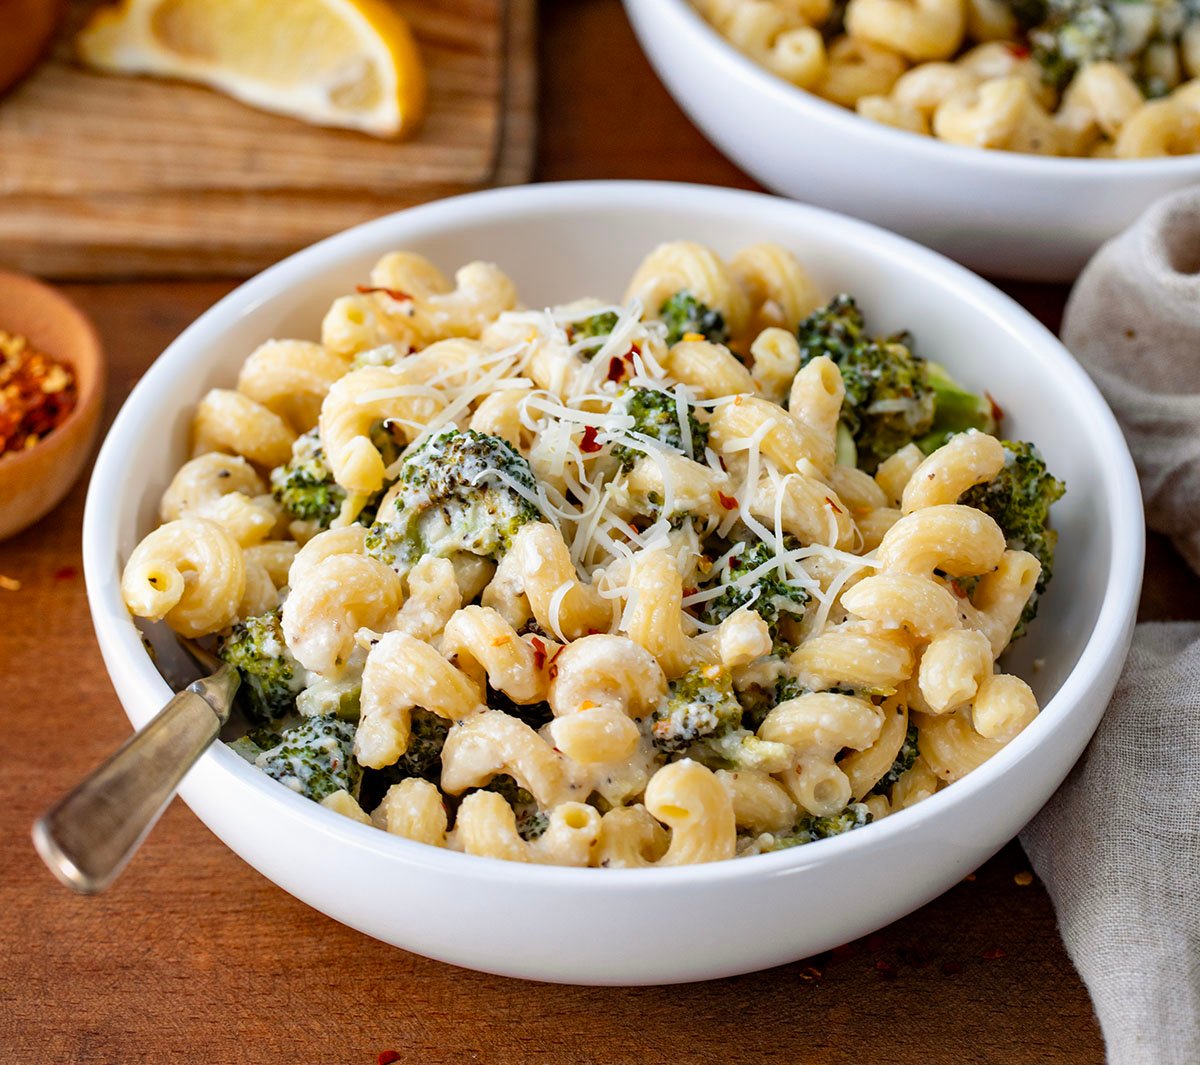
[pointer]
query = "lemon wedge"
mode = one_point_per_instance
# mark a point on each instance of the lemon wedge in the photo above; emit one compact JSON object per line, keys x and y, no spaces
{"x":346,"y":63}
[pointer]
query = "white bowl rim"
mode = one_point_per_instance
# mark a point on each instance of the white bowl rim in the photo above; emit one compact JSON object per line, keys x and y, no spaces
{"x":931,"y":148}
{"x":121,"y":642}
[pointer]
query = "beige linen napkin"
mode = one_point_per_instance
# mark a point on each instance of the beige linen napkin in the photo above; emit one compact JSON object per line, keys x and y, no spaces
{"x":1118,"y":847}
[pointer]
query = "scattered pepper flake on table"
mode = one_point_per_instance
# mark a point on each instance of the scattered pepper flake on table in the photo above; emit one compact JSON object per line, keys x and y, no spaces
{"x":387,"y":1057}
{"x":993,"y":954}
{"x":1024,"y":878}
{"x":36,"y":393}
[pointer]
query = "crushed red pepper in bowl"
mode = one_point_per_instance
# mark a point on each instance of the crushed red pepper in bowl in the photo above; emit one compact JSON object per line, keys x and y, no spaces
{"x":37,"y":393}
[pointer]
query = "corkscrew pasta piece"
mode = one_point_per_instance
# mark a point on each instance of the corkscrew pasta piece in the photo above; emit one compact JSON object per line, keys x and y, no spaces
{"x":224,"y":489}
{"x":693,"y":268}
{"x":485,"y":646}
{"x":696,"y":807}
{"x":858,"y":68}
{"x":401,"y":674}
{"x":952,"y":667}
{"x":1099,"y":101}
{"x":433,"y":598}
{"x":1004,"y":114}
{"x":918,"y":605}
{"x":1158,"y":128}
{"x":598,"y":685}
{"x":291,"y":378}
{"x":853,"y":658}
{"x":951,"y":747}
{"x":957,"y":540}
{"x":780,"y":292}
{"x":536,"y":578}
{"x":806,"y":508}
{"x":489,"y":744}
{"x":710,"y":370}
{"x":630,"y":839}
{"x":887,"y":111}
{"x":1000,"y":596}
{"x":331,"y":600}
{"x":275,"y":557}
{"x":817,"y":727}
{"x":896,"y":471}
{"x":760,"y":802}
{"x":966,"y":460}
{"x":232,"y":422}
{"x":487,"y":826}
{"x":782,"y":437}
{"x":914,"y":785}
{"x":917,"y":29}
{"x":866,"y":767}
{"x":342,"y":802}
{"x":776,"y":355}
{"x":413,"y":808}
{"x":354,"y":405}
{"x":784,"y":45}
{"x":1003,"y":706}
{"x":190,"y":573}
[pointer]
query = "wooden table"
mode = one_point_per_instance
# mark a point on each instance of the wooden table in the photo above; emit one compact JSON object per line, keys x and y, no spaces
{"x":194,"y":957}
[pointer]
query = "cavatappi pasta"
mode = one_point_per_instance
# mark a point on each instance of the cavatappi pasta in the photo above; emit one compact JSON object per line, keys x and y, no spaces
{"x":1100,"y":78}
{"x":710,"y":572}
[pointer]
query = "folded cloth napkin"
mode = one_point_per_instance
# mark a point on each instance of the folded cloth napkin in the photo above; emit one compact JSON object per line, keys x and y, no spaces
{"x":1118,"y":846}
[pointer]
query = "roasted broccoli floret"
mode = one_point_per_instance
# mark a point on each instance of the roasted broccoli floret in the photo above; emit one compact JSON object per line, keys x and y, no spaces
{"x":531,"y":822}
{"x":888,"y":402}
{"x":314,"y":758}
{"x":701,"y":718}
{"x":699,"y":704}
{"x":769,"y":594}
{"x":1066,"y":35}
{"x":597,"y":325}
{"x":905,"y":758}
{"x":305,"y":487}
{"x":955,"y":410}
{"x":270,"y":677}
{"x":809,"y":828}
{"x":423,"y":759}
{"x":535,"y":715}
{"x":1019,"y":498}
{"x":656,"y":415}
{"x":683,"y":314}
{"x":459,"y":491}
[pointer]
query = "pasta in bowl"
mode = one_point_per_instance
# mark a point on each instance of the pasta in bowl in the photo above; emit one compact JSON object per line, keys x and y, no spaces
{"x":708,"y":572}
{"x":721,"y":569}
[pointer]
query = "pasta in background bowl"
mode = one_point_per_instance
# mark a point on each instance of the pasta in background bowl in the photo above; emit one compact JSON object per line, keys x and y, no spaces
{"x":1025,"y":208}
{"x":437,"y":654}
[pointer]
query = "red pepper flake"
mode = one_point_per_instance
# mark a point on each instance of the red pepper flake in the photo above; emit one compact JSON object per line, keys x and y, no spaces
{"x":885,"y":969}
{"x":539,"y":652}
{"x":387,"y":1057}
{"x":728,"y":502}
{"x":993,"y":954}
{"x":65,"y":573}
{"x":689,"y":591}
{"x":616,"y":368}
{"x":399,"y":297}
{"x":969,"y":878}
{"x":1019,"y":51}
{"x":951,"y":968}
{"x":997,"y":410}
{"x":836,"y":508}
{"x":552,"y":670}
{"x":37,"y":393}
{"x":588,"y":444}
{"x":958,"y":588}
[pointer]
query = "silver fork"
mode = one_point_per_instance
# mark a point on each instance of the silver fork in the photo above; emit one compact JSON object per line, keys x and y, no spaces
{"x":90,"y":834}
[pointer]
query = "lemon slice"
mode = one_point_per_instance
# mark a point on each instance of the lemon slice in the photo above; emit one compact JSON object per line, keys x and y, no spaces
{"x":346,"y":63}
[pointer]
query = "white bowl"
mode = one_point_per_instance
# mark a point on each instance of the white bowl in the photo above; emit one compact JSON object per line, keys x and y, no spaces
{"x":656,"y":925}
{"x":1002,"y":213}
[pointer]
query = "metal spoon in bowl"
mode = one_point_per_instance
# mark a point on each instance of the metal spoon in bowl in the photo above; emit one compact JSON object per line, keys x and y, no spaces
{"x":88,"y":837}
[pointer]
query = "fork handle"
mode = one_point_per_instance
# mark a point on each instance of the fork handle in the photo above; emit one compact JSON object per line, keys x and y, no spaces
{"x":88,"y":836}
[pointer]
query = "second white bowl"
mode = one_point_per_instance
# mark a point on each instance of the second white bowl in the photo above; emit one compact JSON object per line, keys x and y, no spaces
{"x":1001,"y":213}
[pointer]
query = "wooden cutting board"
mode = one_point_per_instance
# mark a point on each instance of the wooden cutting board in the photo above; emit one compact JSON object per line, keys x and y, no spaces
{"x":104,"y":176}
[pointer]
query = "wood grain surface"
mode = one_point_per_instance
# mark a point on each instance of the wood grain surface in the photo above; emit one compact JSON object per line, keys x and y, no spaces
{"x":106,"y":176}
{"x":194,"y":957}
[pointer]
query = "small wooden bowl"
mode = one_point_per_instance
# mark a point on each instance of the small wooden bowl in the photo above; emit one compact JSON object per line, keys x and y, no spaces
{"x":33,"y":482}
